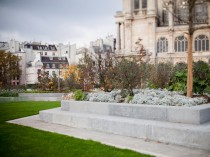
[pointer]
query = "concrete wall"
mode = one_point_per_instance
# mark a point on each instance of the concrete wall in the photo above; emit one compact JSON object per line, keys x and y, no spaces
{"x":188,"y":115}
{"x":34,"y":97}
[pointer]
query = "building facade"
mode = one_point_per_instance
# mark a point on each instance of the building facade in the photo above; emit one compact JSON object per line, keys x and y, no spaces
{"x":162,"y":27}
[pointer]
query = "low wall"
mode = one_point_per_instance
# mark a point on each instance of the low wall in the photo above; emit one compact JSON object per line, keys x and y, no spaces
{"x":34,"y":97}
{"x":187,"y":115}
{"x":40,"y":94}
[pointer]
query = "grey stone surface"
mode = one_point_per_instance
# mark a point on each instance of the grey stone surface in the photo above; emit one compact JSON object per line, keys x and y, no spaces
{"x":40,"y":94}
{"x":7,"y":99}
{"x":143,"y":146}
{"x":196,"y":136}
{"x":188,"y":115}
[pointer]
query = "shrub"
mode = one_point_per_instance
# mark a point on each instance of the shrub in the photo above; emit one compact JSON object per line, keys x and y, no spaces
{"x":201,"y":77}
{"x":179,"y":81}
{"x":201,"y":80}
{"x":10,"y":93}
{"x":128,"y":75}
{"x":129,"y":98}
{"x":160,"y":76}
{"x":79,"y":95}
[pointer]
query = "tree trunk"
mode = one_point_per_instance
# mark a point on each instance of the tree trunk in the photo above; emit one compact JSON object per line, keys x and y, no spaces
{"x":189,"y":72}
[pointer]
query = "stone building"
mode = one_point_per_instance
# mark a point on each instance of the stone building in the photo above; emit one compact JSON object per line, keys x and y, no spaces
{"x":162,"y":28}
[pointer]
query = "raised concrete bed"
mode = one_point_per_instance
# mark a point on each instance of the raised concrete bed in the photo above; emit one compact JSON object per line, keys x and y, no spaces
{"x":139,"y":121}
{"x":188,"y":115}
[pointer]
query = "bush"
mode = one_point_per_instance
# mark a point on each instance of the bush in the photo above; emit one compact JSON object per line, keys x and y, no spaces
{"x":128,"y":75}
{"x":179,"y":81}
{"x":201,"y":77}
{"x":79,"y":95}
{"x":160,"y":76}
{"x":10,"y":93}
{"x":201,"y":74}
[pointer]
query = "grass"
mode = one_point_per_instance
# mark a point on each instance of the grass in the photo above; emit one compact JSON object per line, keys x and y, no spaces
{"x":20,"y":141}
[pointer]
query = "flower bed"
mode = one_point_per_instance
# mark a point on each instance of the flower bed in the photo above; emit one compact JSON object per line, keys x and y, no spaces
{"x":149,"y":97}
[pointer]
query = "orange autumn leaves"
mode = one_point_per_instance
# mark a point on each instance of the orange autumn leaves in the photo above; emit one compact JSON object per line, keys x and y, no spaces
{"x":71,"y":70}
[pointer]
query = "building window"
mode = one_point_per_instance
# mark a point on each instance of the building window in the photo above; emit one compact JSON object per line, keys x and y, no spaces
{"x":182,"y":13}
{"x":53,"y":72}
{"x":59,"y":58}
{"x":39,"y":71}
{"x":60,"y":65}
{"x":66,"y":51}
{"x":162,"y":45}
{"x":51,"y":58}
{"x":181,"y":44}
{"x":165,"y":17}
{"x":201,"y":13}
{"x":53,"y":53}
{"x":47,"y":66}
{"x":201,"y":43}
{"x":136,"y":4}
{"x":41,"y":53}
{"x":144,"y":4}
{"x":63,"y":58}
{"x":53,"y":65}
{"x":45,"y":53}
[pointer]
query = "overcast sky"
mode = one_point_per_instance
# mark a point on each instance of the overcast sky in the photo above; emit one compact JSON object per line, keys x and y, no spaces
{"x":56,"y":21}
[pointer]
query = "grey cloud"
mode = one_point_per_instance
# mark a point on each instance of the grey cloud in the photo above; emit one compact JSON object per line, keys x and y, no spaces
{"x":57,"y":20}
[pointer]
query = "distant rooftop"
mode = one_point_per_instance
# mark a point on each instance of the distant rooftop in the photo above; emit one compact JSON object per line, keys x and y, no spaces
{"x":41,"y":47}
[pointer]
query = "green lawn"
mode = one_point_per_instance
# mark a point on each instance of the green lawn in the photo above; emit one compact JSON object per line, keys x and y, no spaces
{"x":20,"y":141}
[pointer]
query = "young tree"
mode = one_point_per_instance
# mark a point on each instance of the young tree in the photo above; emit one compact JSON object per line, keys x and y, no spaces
{"x":87,"y":71}
{"x":105,"y":70}
{"x":9,"y":68}
{"x":71,"y":77}
{"x":128,"y":74}
{"x":43,"y":80}
{"x":189,"y":5}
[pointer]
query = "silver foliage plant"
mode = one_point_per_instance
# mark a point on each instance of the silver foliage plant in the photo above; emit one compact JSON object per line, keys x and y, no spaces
{"x":148,"y":97}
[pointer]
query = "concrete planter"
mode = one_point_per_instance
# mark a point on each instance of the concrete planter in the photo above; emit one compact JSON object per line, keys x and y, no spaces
{"x":186,"y":126}
{"x":188,"y":115}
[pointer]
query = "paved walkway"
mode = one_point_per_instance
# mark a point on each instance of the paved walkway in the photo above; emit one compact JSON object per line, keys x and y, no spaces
{"x":139,"y":145}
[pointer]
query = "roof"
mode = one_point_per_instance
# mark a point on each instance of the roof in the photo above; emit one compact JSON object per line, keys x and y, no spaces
{"x":41,"y":47}
{"x":62,"y":60}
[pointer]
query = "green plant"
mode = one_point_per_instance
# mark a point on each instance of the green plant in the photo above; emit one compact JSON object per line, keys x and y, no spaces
{"x":129,"y":98}
{"x":201,"y":81}
{"x":128,"y":75}
{"x":79,"y":95}
{"x":179,"y":81}
{"x":160,"y":75}
{"x":10,"y":93}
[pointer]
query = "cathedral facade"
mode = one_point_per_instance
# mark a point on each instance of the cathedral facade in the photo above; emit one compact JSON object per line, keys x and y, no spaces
{"x":161,"y":26}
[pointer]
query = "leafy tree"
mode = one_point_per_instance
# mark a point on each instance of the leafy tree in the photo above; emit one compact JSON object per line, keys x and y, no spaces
{"x":9,"y":68}
{"x":105,"y":70}
{"x":43,"y":80}
{"x":128,"y":75}
{"x":72,"y":77}
{"x":87,"y":72}
{"x":160,"y":76}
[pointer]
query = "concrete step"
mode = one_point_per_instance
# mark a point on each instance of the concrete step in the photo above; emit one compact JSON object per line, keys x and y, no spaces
{"x":176,"y":114}
{"x":195,"y":136}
